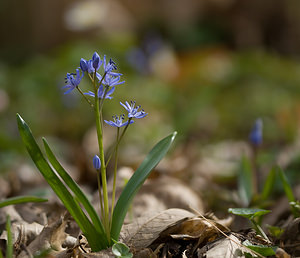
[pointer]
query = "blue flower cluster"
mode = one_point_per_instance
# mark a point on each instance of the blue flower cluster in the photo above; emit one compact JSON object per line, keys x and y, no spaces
{"x":107,"y":82}
{"x":105,"y":86}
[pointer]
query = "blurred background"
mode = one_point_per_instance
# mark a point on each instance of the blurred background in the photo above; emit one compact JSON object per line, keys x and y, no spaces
{"x":207,"y":69}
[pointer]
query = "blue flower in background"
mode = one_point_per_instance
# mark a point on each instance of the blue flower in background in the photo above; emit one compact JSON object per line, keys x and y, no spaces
{"x":256,"y":135}
{"x":133,"y":111}
{"x":96,"y":162}
{"x":118,"y":121}
{"x":72,"y":81}
{"x":101,"y":93}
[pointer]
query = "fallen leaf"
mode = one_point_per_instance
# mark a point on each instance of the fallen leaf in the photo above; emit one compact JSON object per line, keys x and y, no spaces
{"x":51,"y":236}
{"x":145,"y":230}
{"x":230,"y":247}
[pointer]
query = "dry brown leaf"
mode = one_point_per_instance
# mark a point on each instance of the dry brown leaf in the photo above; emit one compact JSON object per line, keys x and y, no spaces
{"x":280,"y":253}
{"x":51,"y":236}
{"x":230,"y":247}
{"x":146,"y":252}
{"x":145,"y":230}
{"x":13,"y":214}
{"x":23,"y":233}
{"x":169,"y":191}
{"x":195,"y":228}
{"x":102,"y":254}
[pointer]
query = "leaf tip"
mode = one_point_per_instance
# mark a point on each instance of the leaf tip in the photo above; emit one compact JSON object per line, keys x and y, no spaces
{"x":174,"y":135}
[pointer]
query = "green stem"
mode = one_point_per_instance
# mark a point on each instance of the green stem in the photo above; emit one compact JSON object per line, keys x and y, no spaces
{"x":9,"y":245}
{"x":259,"y":230}
{"x":103,"y":166}
{"x":100,"y":194}
{"x":115,"y":176}
{"x":80,"y":91}
{"x":118,"y":141}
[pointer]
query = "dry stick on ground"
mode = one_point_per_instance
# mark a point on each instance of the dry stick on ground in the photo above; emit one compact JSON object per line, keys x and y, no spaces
{"x":198,"y":213}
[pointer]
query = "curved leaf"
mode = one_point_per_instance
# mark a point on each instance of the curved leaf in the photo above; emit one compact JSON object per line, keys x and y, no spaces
{"x":59,"y":188}
{"x":74,"y":187}
{"x":136,"y":181}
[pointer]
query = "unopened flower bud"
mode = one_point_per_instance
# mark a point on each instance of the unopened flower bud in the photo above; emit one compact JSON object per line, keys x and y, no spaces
{"x":96,"y":162}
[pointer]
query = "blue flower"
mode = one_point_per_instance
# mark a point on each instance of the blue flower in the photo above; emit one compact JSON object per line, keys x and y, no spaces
{"x":96,"y":61}
{"x":86,"y":66}
{"x":112,"y":80}
{"x":91,"y":65}
{"x":133,"y":111}
{"x":72,"y":82}
{"x":108,"y":68}
{"x":83,"y":65}
{"x":118,"y":121}
{"x":256,"y":134}
{"x":96,"y":162}
{"x":101,"y":93}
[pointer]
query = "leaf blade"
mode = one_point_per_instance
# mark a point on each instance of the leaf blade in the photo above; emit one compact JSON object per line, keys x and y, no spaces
{"x":286,"y":185}
{"x":21,"y":199}
{"x":269,"y":184}
{"x":249,"y":213}
{"x":58,"y":187}
{"x":9,"y":246}
{"x":74,"y":187}
{"x":245,"y":183}
{"x":136,"y":181}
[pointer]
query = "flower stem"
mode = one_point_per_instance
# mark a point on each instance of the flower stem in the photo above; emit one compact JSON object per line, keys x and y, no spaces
{"x":118,"y":141}
{"x":115,"y":177}
{"x":80,"y":91}
{"x":98,"y":116}
{"x":100,"y":193}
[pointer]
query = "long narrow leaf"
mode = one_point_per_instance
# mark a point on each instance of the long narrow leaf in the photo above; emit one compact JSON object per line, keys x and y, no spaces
{"x":9,"y":244}
{"x":245,"y":183}
{"x":269,"y":184}
{"x":21,"y":199}
{"x":136,"y":181}
{"x":74,"y":187}
{"x":59,"y":188}
{"x":286,"y":186}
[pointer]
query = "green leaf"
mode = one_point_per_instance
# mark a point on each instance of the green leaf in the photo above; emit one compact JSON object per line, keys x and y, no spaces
{"x":75,"y":189}
{"x":261,"y":249}
{"x":248,"y":213}
{"x":21,"y":199}
{"x":9,"y":246}
{"x":59,"y":188}
{"x":121,"y":250}
{"x":275,"y":231}
{"x":286,"y":186}
{"x":269,"y":184}
{"x":136,"y":181}
{"x":245,"y":183}
{"x":44,"y":253}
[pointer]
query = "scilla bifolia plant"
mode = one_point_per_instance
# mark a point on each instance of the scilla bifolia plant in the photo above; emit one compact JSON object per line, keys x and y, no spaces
{"x":101,"y":230}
